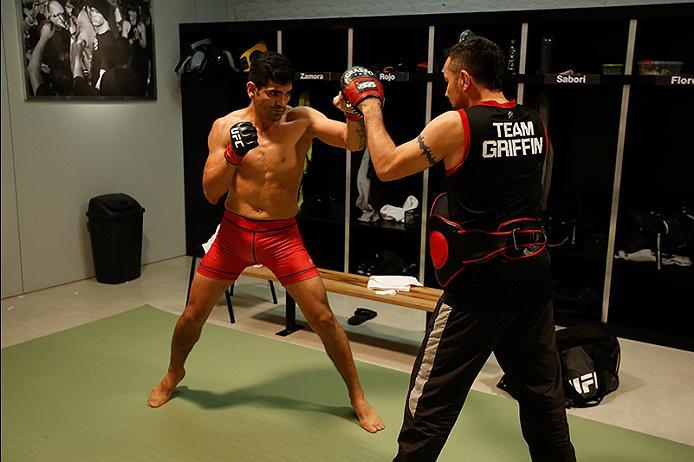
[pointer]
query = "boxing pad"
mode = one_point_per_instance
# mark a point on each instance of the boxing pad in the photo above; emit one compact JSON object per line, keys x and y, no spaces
{"x":357,"y":84}
{"x":243,"y":137}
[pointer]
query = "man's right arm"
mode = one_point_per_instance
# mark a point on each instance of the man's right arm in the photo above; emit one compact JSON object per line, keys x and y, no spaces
{"x":34,"y":68}
{"x":218,"y":172}
{"x":76,"y":50}
{"x":126,"y":29}
{"x":227,"y":146}
{"x":441,"y":138}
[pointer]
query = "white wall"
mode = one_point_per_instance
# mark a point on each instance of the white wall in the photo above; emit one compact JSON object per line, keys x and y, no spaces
{"x":63,"y":153}
{"x":211,"y":10}
{"x":11,"y":262}
{"x":250,"y":10}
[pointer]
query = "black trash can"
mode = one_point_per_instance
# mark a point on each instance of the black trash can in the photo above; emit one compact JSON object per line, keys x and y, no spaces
{"x":115,"y":226}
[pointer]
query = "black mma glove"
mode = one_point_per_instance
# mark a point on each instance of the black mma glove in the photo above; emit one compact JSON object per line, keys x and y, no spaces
{"x":357,"y":84}
{"x":243,"y":137}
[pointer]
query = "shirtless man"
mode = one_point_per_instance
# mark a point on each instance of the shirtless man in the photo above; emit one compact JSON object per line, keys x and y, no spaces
{"x":256,"y":154}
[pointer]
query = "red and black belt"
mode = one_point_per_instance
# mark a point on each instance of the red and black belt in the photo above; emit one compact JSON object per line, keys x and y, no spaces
{"x":453,"y":247}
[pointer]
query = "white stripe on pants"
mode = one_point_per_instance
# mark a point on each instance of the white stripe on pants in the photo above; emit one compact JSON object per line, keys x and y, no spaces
{"x":429,"y":355}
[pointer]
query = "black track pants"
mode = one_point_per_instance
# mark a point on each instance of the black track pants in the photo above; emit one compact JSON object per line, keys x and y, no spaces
{"x":457,"y":343}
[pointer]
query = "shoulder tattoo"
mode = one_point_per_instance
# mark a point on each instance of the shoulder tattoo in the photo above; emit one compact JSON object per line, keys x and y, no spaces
{"x":426,"y":150}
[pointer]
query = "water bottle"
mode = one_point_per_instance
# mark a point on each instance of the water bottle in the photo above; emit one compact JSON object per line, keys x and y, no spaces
{"x":512,"y":59}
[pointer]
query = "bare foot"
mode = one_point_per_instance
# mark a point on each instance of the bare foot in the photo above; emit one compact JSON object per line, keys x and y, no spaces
{"x":368,"y":417}
{"x":162,"y":392}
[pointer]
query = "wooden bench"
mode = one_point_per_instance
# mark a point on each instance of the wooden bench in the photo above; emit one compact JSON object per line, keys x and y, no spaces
{"x":354,"y":285}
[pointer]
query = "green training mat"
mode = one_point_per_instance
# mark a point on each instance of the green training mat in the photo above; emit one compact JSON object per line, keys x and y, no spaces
{"x":79,"y":395}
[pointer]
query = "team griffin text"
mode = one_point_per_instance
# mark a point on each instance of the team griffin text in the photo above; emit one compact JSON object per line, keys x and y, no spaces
{"x":514,"y":139}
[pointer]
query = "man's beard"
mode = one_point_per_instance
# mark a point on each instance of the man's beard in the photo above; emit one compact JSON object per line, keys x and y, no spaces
{"x":276,"y":115}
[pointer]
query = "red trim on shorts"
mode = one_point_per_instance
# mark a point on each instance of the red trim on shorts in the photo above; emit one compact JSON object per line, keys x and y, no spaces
{"x":299,"y":276}
{"x":258,"y":226}
{"x":217,"y":274}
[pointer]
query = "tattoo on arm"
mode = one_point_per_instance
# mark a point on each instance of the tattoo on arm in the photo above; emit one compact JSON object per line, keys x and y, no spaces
{"x":426,"y":150}
{"x":361,"y":131}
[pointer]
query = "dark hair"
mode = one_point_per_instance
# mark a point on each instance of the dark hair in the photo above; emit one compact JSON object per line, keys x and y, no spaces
{"x":57,"y":51}
{"x":102,"y":5}
{"x":270,"y":66}
{"x":482,"y":58}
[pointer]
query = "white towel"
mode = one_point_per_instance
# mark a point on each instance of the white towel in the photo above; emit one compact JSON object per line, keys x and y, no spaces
{"x":206,"y":246}
{"x":647,"y":255}
{"x":678,"y":260}
{"x":364,"y":187}
{"x":390,"y":212}
{"x":642,"y":255}
{"x":399,"y":283}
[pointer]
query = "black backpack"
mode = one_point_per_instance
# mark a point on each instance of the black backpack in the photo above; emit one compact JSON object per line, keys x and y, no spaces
{"x":589,"y":359}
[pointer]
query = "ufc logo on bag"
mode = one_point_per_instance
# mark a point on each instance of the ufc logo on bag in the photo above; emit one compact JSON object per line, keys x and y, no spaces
{"x":236,"y":138}
{"x":585,"y":384}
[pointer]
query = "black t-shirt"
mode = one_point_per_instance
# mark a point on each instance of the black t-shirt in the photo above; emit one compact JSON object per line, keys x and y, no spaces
{"x":499,"y":179}
{"x":123,"y":82}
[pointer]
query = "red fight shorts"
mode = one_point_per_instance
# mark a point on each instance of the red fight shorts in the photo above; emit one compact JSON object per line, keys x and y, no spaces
{"x":243,"y":242}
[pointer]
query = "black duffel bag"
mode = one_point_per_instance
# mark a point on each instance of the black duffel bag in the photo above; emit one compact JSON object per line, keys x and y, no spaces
{"x":590,"y":364}
{"x":589,"y":359}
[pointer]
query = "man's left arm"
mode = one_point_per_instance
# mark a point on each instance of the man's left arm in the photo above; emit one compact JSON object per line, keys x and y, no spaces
{"x":143,"y":35}
{"x":441,"y":138}
{"x":349,"y":135}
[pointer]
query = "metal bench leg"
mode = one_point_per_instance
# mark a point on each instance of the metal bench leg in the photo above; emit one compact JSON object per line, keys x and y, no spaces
{"x":228,"y":293}
{"x":190,"y":278}
{"x":290,"y":318}
{"x":274,"y":296}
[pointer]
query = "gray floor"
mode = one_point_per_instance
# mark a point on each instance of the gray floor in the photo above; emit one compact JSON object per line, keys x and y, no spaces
{"x":655,"y":397}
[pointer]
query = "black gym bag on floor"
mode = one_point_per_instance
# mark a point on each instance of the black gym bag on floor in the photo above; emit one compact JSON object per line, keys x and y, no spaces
{"x":590,"y":365}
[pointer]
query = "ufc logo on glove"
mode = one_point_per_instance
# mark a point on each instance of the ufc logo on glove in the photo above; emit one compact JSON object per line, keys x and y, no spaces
{"x":236,"y":137}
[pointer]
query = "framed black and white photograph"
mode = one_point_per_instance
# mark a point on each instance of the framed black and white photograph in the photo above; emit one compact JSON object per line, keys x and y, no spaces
{"x":88,"y":49}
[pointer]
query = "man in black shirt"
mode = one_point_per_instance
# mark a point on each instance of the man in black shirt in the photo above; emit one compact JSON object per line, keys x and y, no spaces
{"x":98,"y":12}
{"x":488,"y":249}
